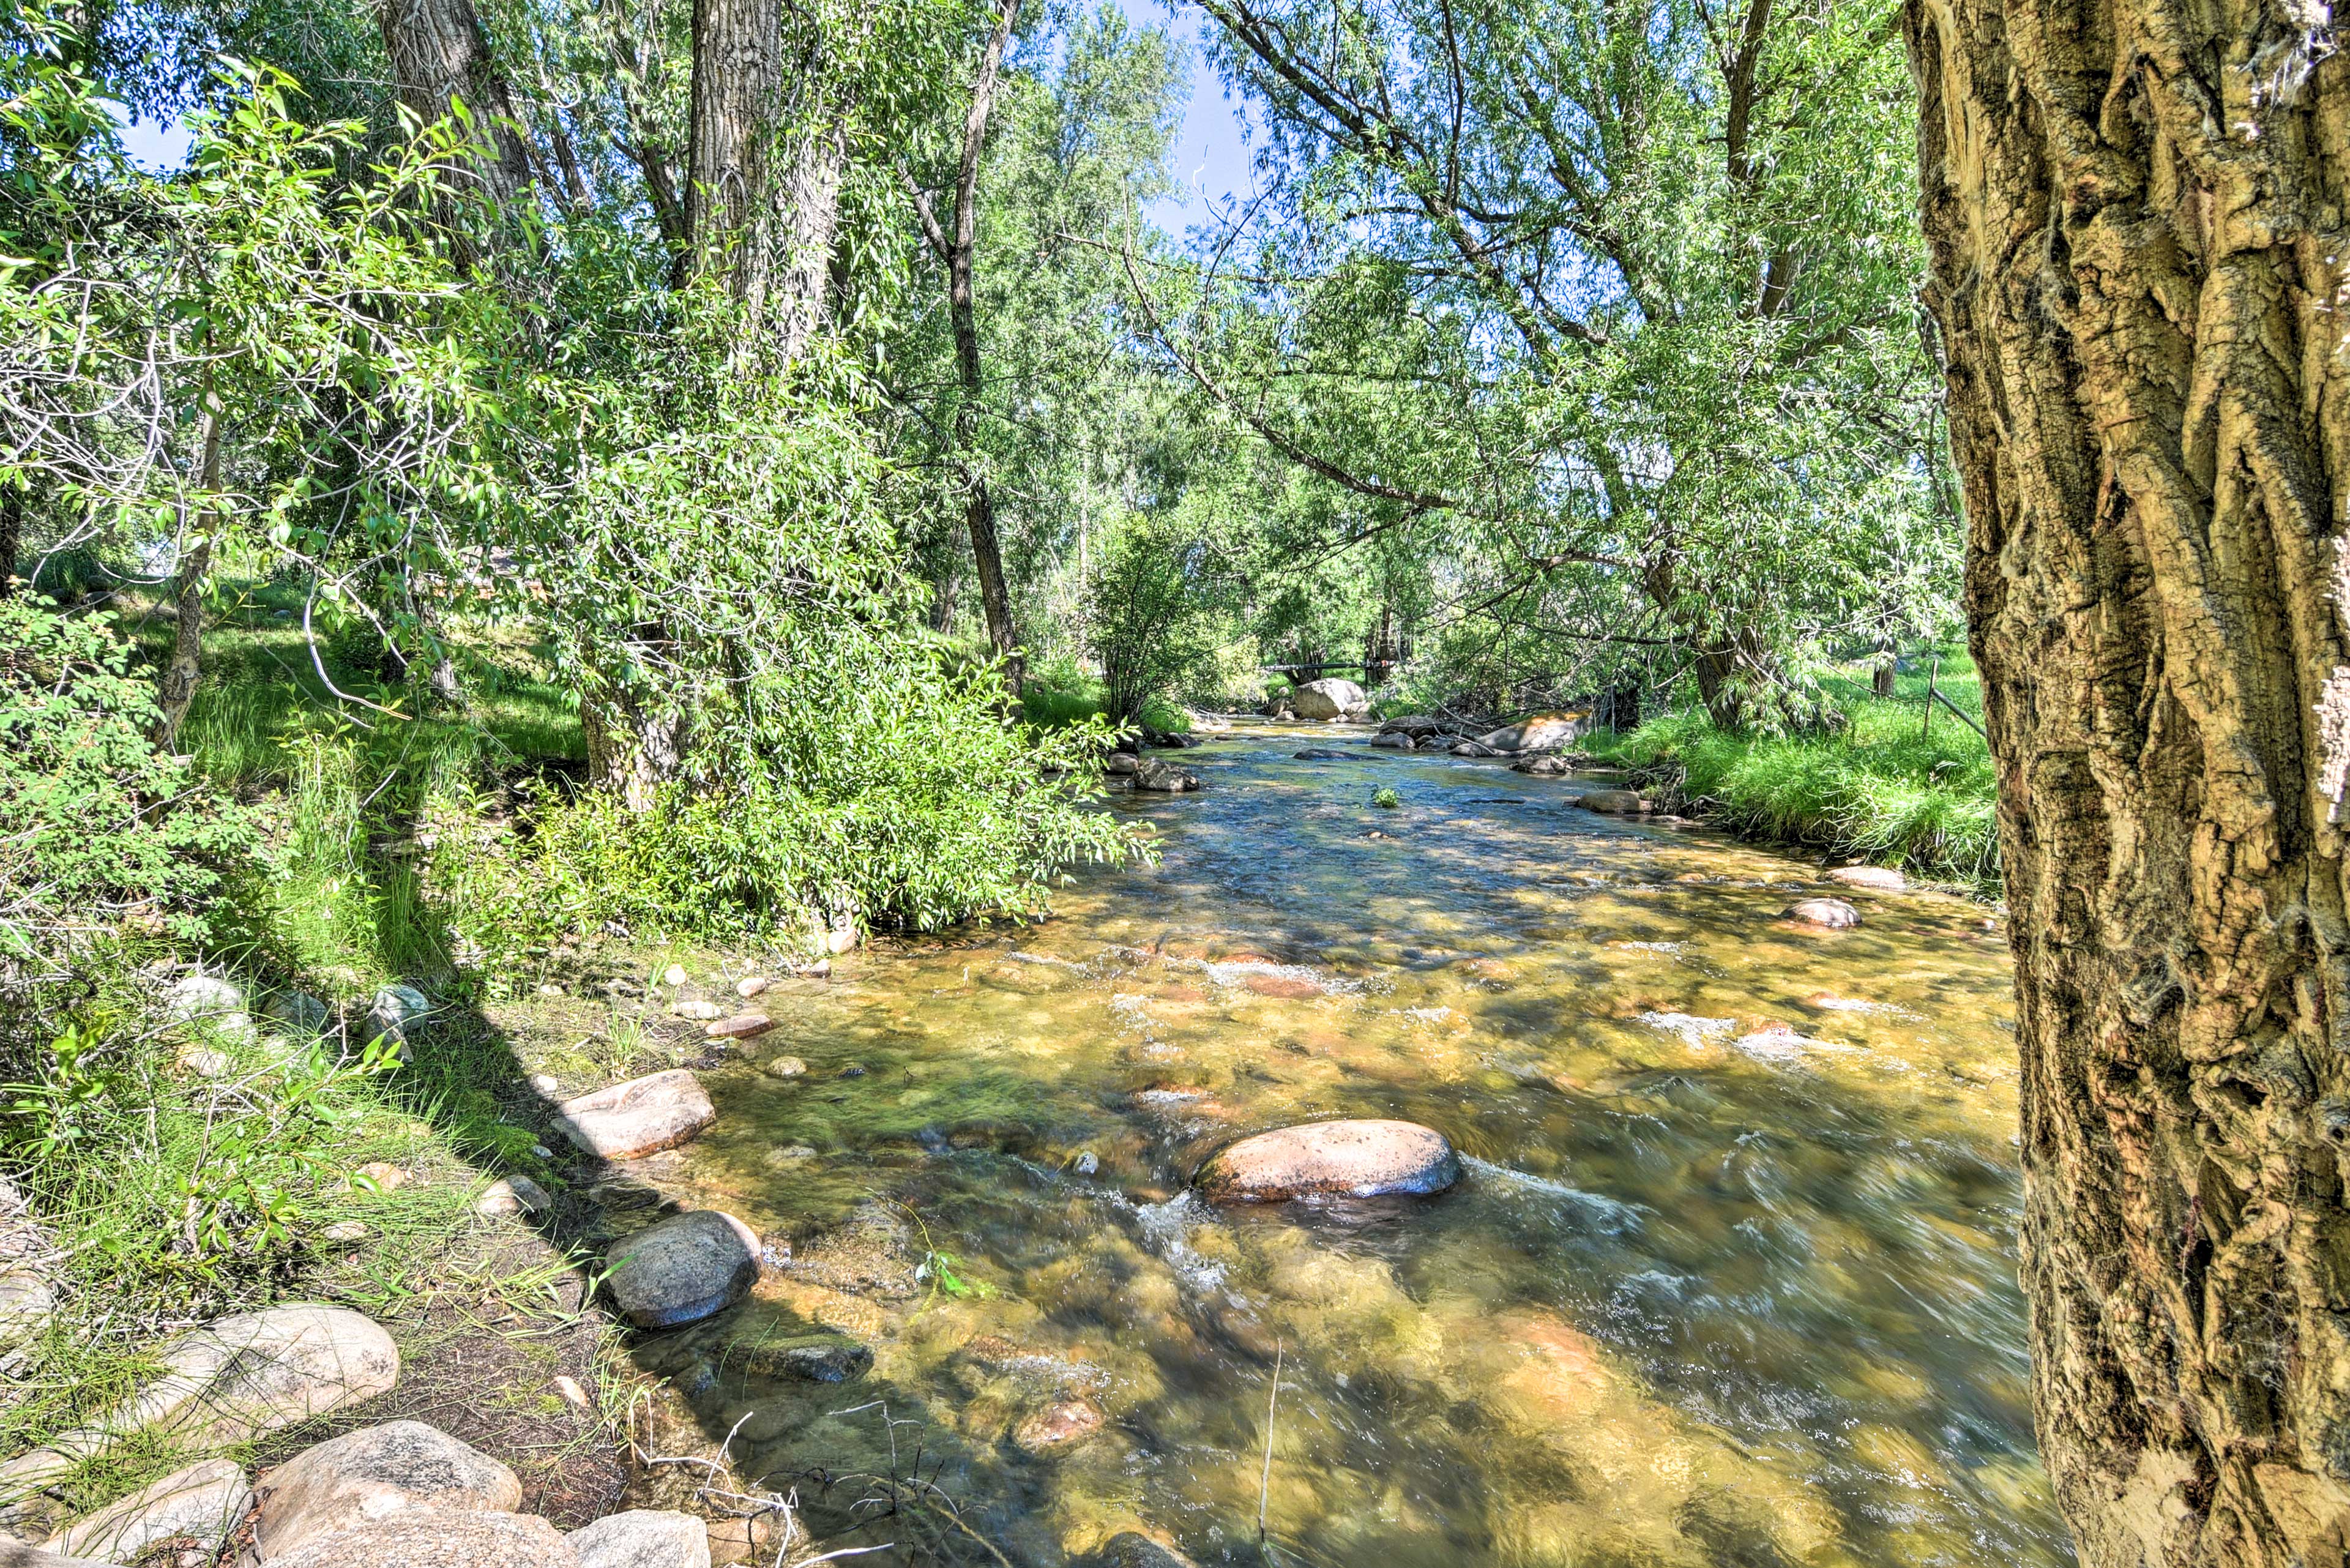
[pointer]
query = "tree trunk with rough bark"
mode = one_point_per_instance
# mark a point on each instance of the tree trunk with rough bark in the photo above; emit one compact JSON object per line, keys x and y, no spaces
{"x":737,"y":97}
{"x":2136,"y":221}
{"x":440,"y":55}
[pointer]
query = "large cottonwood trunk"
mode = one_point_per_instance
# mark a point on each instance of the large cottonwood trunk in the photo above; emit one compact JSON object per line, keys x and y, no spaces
{"x":440,"y":55}
{"x":737,"y":95}
{"x":2134,"y":213}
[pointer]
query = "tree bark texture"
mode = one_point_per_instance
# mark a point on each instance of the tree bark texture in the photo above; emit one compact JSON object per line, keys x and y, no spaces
{"x":175,"y":689}
{"x":737,"y":97}
{"x":440,"y":55}
{"x":2134,"y":214}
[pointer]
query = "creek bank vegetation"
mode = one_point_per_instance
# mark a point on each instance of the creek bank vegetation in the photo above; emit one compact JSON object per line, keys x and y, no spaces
{"x":543,"y":481}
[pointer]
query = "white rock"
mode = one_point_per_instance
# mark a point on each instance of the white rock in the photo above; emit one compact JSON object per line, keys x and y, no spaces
{"x":751,"y":986}
{"x":201,"y":1504}
{"x":1328,"y":698}
{"x":369,"y":1475}
{"x":546,"y":1083}
{"x":644,"y":1538}
{"x":211,"y":1004}
{"x":673,"y":975}
{"x":433,"y":1538}
{"x":639,"y":1116}
{"x":511,"y":1195}
{"x":698,"y":1012}
{"x":231,"y":1381}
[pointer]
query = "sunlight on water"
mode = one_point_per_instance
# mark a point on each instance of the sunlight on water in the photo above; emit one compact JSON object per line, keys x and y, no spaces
{"x":1729,"y":1279}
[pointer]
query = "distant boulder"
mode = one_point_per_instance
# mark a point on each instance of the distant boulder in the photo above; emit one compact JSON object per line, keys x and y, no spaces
{"x":1541,"y":732}
{"x":1329,"y":697}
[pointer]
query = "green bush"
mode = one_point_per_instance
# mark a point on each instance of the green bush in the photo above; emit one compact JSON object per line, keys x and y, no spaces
{"x":1882,"y":789}
{"x":97,"y":828}
{"x":1147,"y":616}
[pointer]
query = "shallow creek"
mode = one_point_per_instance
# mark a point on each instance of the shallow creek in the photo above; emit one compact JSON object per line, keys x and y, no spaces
{"x":1729,"y":1279}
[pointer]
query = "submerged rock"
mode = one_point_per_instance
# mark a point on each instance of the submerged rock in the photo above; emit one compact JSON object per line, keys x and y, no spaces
{"x":639,"y":1116}
{"x":1326,"y":754}
{"x":809,"y":1359}
{"x":742,"y":1026}
{"x":786,"y":1068}
{"x":1342,"y":1158}
{"x":1395,"y":741}
{"x":1828,"y":914}
{"x":1131,"y":1549}
{"x":684,"y":1269}
{"x":1875,"y":878}
{"x":1473,"y":749}
{"x":1057,"y":1424}
{"x":371,"y":1474}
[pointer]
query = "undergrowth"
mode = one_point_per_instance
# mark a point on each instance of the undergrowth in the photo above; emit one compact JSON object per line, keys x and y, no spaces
{"x":1887,"y":789}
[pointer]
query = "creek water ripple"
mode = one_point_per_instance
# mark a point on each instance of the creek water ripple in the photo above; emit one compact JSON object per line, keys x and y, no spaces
{"x":1729,"y":1279}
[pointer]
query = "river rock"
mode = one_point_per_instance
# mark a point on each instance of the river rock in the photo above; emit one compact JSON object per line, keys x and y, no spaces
{"x":396,"y":1010}
{"x":1165,"y":778}
{"x":786,"y":1068}
{"x":742,"y":1026}
{"x":1548,"y":765}
{"x":811,"y":1358}
{"x":210,"y":1002}
{"x":231,"y":1381}
{"x":1057,"y":1424}
{"x":695,"y":1010}
{"x":1418,"y":726}
{"x":430,"y":1539}
{"x":15,"y":1553}
{"x":511,"y":1195}
{"x":1473,"y":749}
{"x":643,"y":1538}
{"x":28,"y":1296}
{"x":1398,"y":742}
{"x":1121,"y":763}
{"x":1328,"y":698}
{"x":1875,"y":878}
{"x":638,"y":1117}
{"x":1349,"y":1158}
{"x":199,"y":1505}
{"x":1131,"y":1549}
{"x":1537,"y":734}
{"x":684,"y":1269}
{"x":1324,"y":754}
{"x":751,"y":985}
{"x":298,"y":1010}
{"x":1829,"y":914}
{"x":367,"y":1476}
{"x":1616,"y":802}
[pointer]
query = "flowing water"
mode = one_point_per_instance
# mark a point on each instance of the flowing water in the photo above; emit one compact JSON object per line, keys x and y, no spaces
{"x":1729,"y":1279}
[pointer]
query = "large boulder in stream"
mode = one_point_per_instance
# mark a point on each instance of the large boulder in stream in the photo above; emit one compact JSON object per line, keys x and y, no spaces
{"x":1826,"y":914}
{"x":1538,"y":734}
{"x":1341,"y":1159}
{"x":1328,"y":698}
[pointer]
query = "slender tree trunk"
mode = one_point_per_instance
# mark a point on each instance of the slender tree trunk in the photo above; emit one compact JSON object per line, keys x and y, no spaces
{"x":440,"y":55}
{"x":12,"y":534}
{"x":175,"y":689}
{"x":979,"y":508}
{"x":2135,"y":217}
{"x":956,"y":249}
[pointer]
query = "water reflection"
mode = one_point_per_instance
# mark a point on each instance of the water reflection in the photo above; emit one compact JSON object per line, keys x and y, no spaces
{"x":1729,"y":1280}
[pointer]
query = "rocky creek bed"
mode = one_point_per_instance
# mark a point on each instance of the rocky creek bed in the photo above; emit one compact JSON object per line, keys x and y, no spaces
{"x":1710,"y":1260}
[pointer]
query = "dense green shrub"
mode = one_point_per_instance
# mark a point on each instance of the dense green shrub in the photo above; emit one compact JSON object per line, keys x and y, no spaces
{"x":97,"y":828}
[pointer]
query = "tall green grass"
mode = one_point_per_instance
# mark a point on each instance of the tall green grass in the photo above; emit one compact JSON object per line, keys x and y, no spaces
{"x":1887,"y":789}
{"x":1057,"y":700}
